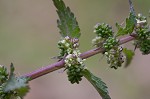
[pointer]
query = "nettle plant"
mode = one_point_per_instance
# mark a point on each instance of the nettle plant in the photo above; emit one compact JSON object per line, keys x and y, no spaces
{"x":70,"y":58}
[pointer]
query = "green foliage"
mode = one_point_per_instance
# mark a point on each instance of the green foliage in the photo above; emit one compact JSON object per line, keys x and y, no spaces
{"x":70,"y":30}
{"x":99,"y":85}
{"x":67,"y":22}
{"x":68,"y":46}
{"x":105,"y":39}
{"x":129,"y":56}
{"x":130,"y":23}
{"x":3,"y":74}
{"x":14,"y":87}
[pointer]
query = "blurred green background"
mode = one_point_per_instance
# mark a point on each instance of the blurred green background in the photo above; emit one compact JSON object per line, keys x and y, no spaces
{"x":29,"y":36}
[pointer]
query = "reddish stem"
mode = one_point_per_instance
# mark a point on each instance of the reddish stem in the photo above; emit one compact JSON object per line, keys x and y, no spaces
{"x":60,"y":64}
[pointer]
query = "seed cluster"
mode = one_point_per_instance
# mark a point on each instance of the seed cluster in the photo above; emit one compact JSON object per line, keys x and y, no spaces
{"x":74,"y":64}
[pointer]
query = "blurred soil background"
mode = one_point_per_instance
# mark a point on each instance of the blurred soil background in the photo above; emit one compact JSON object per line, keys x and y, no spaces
{"x":29,"y":36}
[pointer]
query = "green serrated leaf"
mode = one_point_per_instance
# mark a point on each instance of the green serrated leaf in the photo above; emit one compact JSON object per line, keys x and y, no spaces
{"x":99,"y":85}
{"x":121,"y":30}
{"x":129,"y":55}
{"x":130,"y":23}
{"x":128,"y":29}
{"x":67,"y":22}
{"x":16,"y":84}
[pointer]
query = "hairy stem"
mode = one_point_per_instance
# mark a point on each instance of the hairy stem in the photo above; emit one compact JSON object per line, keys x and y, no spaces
{"x":60,"y":64}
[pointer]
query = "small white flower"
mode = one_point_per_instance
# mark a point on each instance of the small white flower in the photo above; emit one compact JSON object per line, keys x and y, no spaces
{"x":141,"y":22}
{"x":94,"y":31}
{"x":1,"y":66}
{"x":69,"y":56}
{"x":67,"y":38}
{"x":94,"y":40}
{"x":63,"y":41}
{"x":97,"y":25}
{"x":67,"y":45}
{"x":106,"y":53}
{"x":79,"y":59}
{"x":69,"y":50}
{"x":69,"y":65}
{"x":70,"y":59}
{"x":83,"y":59}
{"x":76,"y":52}
{"x":76,"y":45}
{"x":81,"y":62}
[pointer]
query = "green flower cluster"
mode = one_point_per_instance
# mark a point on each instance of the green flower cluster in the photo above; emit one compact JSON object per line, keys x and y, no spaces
{"x":110,"y":43}
{"x":75,"y":66}
{"x":105,"y":39}
{"x":115,"y":57}
{"x":113,"y":52}
{"x":143,"y":35}
{"x":73,"y":62}
{"x":3,"y":80}
{"x":103,"y":30}
{"x":67,"y":45}
{"x":142,"y":20}
{"x":145,"y":47}
{"x":8,"y":95}
{"x":3,"y":74}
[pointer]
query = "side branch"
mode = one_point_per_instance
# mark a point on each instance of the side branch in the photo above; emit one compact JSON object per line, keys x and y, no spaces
{"x":60,"y":64}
